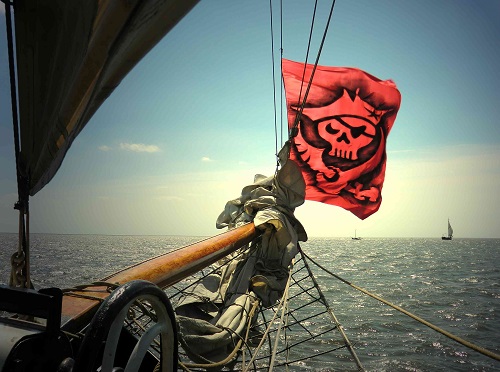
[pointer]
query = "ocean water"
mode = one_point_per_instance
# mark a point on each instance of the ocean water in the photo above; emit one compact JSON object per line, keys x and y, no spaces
{"x":452,"y":284}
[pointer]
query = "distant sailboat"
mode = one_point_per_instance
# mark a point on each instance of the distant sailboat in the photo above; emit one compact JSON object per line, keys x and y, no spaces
{"x":356,"y":237}
{"x":450,"y":232}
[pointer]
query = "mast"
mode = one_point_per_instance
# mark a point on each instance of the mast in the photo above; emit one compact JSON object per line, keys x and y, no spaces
{"x":20,"y":262}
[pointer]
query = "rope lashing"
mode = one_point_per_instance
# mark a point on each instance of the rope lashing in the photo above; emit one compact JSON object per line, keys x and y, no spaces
{"x":81,"y":288}
{"x":466,"y":343}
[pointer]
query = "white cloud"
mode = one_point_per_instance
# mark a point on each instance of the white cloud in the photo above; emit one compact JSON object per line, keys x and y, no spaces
{"x":139,"y":147}
{"x":206,"y":159}
{"x":104,"y":148}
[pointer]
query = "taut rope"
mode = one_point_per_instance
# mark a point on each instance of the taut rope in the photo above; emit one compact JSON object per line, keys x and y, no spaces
{"x":413,"y":316}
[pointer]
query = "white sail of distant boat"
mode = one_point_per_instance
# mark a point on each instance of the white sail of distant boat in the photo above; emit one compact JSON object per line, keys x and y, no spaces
{"x":355,"y":236}
{"x":450,"y":232}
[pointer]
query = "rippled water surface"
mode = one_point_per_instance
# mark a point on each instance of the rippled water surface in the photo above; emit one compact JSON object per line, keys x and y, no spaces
{"x":453,"y":284}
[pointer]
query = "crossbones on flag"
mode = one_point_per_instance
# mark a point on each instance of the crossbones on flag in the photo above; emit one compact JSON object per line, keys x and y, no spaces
{"x":340,"y":137}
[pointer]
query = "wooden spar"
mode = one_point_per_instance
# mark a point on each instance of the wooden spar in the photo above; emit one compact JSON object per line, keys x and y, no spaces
{"x":170,"y":268}
{"x":163,"y":271}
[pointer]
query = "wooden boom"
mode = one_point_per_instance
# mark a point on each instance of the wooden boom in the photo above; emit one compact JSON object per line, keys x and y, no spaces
{"x":80,"y":305}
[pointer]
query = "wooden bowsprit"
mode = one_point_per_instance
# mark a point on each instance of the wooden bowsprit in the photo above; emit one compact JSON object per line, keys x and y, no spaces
{"x":80,"y":304}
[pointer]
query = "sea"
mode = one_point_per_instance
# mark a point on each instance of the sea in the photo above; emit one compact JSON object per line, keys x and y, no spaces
{"x":454,"y":285}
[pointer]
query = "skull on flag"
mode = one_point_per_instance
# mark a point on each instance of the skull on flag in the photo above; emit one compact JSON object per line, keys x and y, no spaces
{"x":340,"y":138}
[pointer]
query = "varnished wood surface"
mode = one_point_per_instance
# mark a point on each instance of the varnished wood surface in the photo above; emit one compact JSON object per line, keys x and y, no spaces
{"x":163,"y":271}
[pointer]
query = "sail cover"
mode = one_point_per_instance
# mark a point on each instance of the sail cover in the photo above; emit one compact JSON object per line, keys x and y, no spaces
{"x":70,"y":56}
{"x":339,"y":139}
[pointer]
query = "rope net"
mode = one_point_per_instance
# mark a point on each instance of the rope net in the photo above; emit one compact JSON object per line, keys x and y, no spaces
{"x":299,"y":332}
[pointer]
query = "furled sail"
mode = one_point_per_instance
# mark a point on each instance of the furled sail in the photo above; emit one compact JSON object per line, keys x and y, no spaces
{"x":340,"y":133}
{"x":222,"y":305}
{"x":71,"y":55}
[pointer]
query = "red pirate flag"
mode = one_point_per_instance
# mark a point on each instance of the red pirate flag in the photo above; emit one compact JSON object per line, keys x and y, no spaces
{"x":341,"y":134}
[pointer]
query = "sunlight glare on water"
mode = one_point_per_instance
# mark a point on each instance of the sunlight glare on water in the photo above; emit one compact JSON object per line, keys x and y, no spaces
{"x":452,"y":284}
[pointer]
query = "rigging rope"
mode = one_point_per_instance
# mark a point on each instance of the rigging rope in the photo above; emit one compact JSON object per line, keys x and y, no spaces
{"x":274,"y":86}
{"x":308,"y":48}
{"x":424,"y":322}
{"x":293,"y":131}
{"x":281,"y":73}
{"x":281,"y":323}
{"x":332,"y":315}
{"x":295,"y":307}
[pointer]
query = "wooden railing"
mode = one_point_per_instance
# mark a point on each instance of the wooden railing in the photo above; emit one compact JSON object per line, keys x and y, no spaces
{"x":80,"y":305}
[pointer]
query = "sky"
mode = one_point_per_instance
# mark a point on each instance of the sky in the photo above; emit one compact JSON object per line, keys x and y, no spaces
{"x":194,"y":122}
